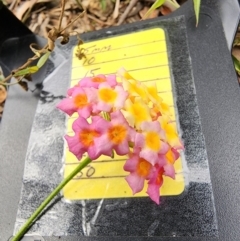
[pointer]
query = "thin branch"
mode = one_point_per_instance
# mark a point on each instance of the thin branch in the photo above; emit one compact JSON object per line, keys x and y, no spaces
{"x":127,"y":11}
{"x":53,"y":34}
{"x":29,"y":61}
{"x":98,"y":20}
{"x":74,"y":20}
{"x":20,"y":79}
{"x":61,"y":15}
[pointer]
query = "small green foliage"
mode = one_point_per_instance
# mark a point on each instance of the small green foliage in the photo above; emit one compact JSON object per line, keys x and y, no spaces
{"x":43,"y":59}
{"x":196,"y":4}
{"x":236,"y":63}
{"x":156,"y":4}
{"x":29,"y":70}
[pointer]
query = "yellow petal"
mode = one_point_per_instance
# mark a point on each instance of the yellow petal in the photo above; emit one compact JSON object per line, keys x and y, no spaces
{"x":138,"y":110}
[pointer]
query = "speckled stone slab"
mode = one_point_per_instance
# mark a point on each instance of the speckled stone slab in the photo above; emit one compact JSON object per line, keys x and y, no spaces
{"x":189,"y":214}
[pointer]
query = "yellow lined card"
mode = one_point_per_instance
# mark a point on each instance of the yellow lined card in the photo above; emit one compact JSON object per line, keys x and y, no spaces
{"x":144,"y":55}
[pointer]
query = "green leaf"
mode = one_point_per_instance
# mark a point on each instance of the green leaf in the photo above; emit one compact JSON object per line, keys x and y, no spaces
{"x":33,"y":69}
{"x":157,"y":4}
{"x":43,"y":59}
{"x":236,"y":63}
{"x":197,"y":4}
{"x":29,"y":70}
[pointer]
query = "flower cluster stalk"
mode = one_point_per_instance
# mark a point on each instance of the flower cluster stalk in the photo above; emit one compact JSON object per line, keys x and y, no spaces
{"x":39,"y":210}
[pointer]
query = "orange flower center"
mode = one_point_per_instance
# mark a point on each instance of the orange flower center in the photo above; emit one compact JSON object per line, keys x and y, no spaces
{"x":143,"y":167}
{"x":98,"y":79}
{"x":107,"y":95}
{"x":86,"y":137}
{"x":170,"y":157}
{"x":81,"y":100}
{"x":139,"y":111}
{"x":117,"y":134}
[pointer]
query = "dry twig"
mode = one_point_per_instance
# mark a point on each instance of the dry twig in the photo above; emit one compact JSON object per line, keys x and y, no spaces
{"x":53,"y":35}
{"x":128,"y":9}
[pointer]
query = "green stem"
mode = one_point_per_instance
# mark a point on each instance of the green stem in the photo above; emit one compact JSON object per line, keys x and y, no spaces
{"x":29,"y":222}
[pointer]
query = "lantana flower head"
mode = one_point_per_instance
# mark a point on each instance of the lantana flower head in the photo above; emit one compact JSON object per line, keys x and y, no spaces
{"x":128,"y":118}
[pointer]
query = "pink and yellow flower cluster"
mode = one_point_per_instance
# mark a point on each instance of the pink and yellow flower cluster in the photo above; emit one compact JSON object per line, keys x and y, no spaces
{"x":128,"y":118}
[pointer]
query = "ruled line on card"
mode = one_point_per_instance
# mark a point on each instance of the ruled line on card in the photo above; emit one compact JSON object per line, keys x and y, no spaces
{"x":109,"y":61}
{"x":100,"y":177}
{"x":94,"y":51}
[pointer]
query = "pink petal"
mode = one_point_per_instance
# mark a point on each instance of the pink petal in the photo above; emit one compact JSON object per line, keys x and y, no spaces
{"x":70,"y":90}
{"x":67,"y":106}
{"x":75,"y":146}
{"x":131,"y":164}
{"x":85,"y":112}
{"x":117,"y":117}
{"x":161,"y":160}
{"x":169,"y":171}
{"x":139,"y":140}
{"x":103,"y":106}
{"x":87,"y":82}
{"x":99,"y":124}
{"x":91,"y":94}
{"x":151,"y":126}
{"x":164,"y":148}
{"x":175,"y":153}
{"x":93,"y":152}
{"x":103,"y":146}
{"x":79,"y":124}
{"x":121,"y":97}
{"x":122,"y":149}
{"x":95,"y":109}
{"x":136,"y":150}
{"x":104,"y":85}
{"x":131,"y":134}
{"x":150,"y":156}
{"x":78,"y":91}
{"x":153,"y":192}
{"x":111,"y":80}
{"x":136,"y":182}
